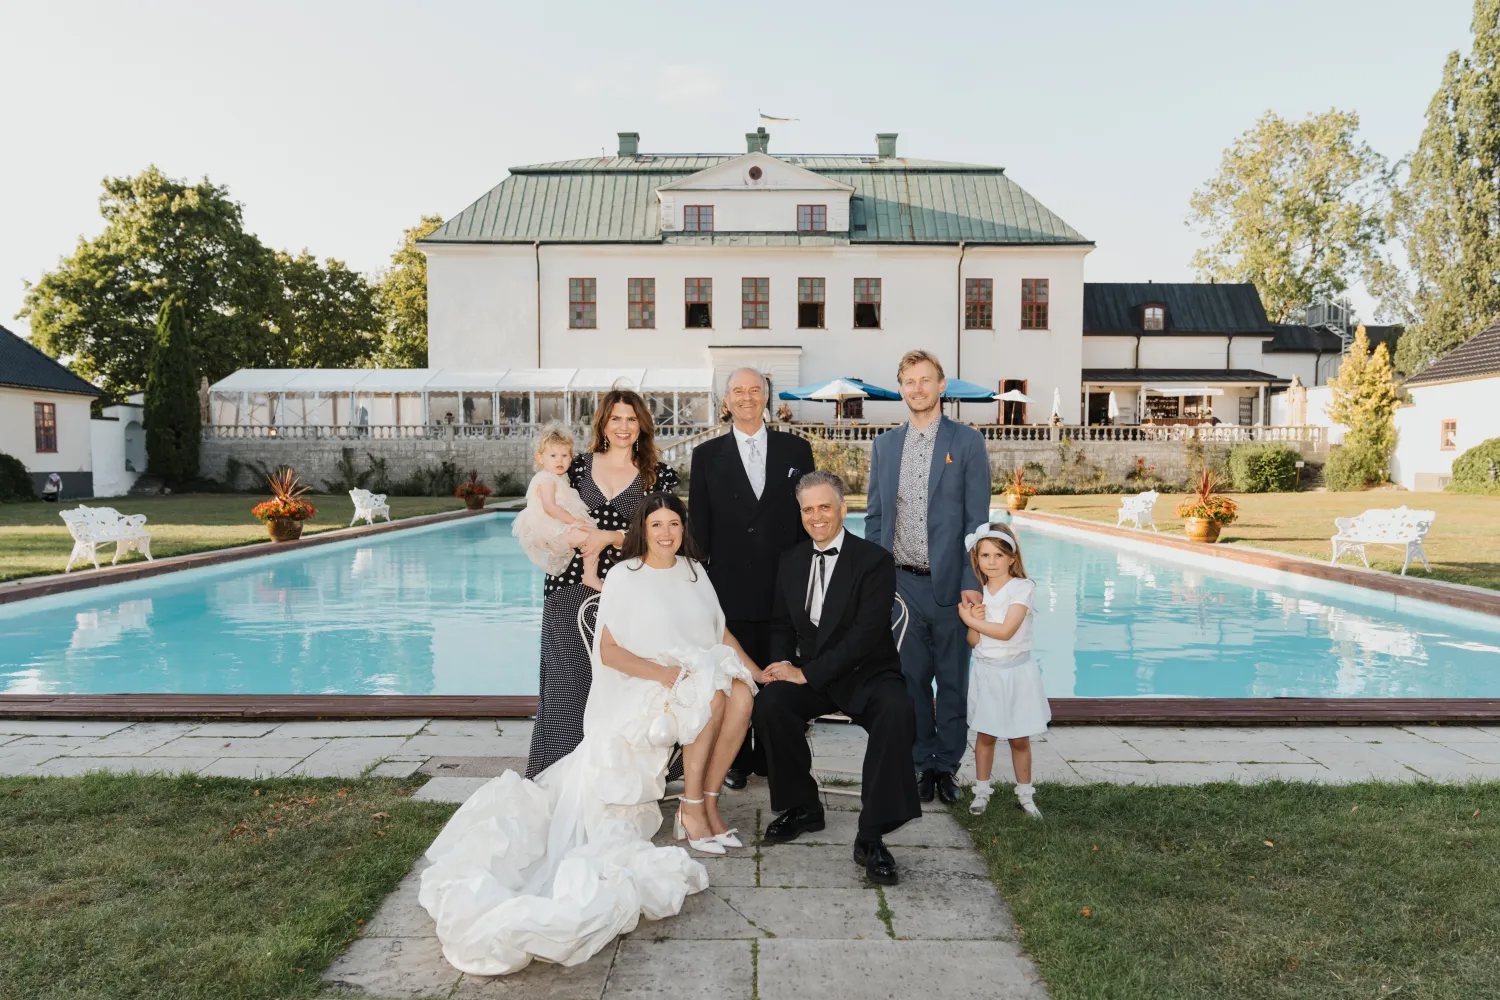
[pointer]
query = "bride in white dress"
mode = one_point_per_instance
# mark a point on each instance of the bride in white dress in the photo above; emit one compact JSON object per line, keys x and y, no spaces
{"x":555,"y":868}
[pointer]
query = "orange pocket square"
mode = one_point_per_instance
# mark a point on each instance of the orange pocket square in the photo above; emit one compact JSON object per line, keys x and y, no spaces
{"x":949,"y":459}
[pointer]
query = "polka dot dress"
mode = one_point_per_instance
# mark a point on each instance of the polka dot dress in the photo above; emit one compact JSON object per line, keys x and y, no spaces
{"x":563,"y":687}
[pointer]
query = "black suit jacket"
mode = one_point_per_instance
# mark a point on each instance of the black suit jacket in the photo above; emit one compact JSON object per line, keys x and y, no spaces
{"x":852,"y":645}
{"x":740,"y":535}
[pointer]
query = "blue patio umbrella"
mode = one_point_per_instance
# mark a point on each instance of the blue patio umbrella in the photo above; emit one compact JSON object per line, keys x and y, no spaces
{"x":968,"y":392}
{"x":832,"y":388}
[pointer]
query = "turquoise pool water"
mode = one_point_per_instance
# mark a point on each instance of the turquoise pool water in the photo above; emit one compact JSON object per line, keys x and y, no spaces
{"x":456,"y":609}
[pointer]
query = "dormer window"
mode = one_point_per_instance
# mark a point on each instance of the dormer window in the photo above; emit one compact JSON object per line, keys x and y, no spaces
{"x":812,"y":218}
{"x":1154,"y":318}
{"x":698,"y":219}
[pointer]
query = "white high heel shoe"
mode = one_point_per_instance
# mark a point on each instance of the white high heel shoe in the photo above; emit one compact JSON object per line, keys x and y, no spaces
{"x":709,"y":845}
{"x":727,"y":838}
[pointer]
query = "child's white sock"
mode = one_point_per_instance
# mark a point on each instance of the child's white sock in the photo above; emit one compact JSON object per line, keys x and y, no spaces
{"x":982,"y":791}
{"x":1026,"y":799}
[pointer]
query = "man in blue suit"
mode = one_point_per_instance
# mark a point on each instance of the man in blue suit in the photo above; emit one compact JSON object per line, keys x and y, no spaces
{"x":929,"y":487}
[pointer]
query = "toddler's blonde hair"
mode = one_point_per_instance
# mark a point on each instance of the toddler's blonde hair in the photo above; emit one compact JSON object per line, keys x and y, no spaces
{"x":554,"y":433}
{"x":1017,"y":567}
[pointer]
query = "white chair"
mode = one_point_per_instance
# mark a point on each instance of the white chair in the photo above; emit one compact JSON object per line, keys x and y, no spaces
{"x":1399,"y":526}
{"x":95,"y":526}
{"x":1139,"y":508}
{"x":588,"y":620}
{"x":367,"y":505}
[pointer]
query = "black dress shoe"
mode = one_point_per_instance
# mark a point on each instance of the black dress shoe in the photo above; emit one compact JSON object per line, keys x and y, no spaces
{"x":926,"y":782}
{"x":947,"y":788}
{"x":735,"y":779}
{"x":794,"y":822}
{"x":880,"y":867}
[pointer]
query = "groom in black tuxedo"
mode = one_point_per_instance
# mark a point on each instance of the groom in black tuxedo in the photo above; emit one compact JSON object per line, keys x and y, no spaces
{"x":832,"y":650}
{"x":742,"y":499}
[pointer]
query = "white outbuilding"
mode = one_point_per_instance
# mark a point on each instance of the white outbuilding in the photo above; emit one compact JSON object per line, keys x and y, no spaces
{"x":1455,"y":405}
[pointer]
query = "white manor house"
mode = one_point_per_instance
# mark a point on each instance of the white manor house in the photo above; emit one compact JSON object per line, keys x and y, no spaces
{"x":669,"y":271}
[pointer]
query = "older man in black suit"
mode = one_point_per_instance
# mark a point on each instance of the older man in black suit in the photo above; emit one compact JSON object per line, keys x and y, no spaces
{"x":742,"y":501}
{"x":832,"y":651}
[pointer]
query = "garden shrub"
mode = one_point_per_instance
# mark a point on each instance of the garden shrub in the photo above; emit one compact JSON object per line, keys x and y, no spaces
{"x":1478,"y":469}
{"x":1359,"y":462}
{"x":849,"y":461}
{"x":15,"y":481}
{"x":1263,"y":467}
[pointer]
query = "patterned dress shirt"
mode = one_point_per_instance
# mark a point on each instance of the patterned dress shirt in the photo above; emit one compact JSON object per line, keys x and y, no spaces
{"x":910,"y":543}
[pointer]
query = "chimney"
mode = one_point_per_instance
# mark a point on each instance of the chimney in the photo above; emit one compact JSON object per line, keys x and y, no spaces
{"x":757,"y":141}
{"x":885,"y":142}
{"x":630,"y":143}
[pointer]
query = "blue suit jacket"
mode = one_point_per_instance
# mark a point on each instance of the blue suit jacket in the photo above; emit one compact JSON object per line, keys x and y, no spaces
{"x":958,"y":500}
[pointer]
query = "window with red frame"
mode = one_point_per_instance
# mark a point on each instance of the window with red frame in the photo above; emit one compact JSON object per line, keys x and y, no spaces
{"x":755,"y":303}
{"x":867,"y":303}
{"x":698,"y":294}
{"x":46,"y":426}
{"x":810,"y":303}
{"x":1034,"y":295}
{"x":979,"y":303}
{"x":812,"y":218}
{"x":698,"y":219}
{"x":583,"y":303}
{"x":642,"y":309}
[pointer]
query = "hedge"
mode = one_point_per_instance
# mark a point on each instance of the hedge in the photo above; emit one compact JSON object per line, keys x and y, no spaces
{"x":1263,"y":468}
{"x":1478,"y":469}
{"x":15,"y":481}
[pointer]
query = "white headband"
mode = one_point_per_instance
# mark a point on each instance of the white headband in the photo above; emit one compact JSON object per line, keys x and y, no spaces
{"x":987,"y":530}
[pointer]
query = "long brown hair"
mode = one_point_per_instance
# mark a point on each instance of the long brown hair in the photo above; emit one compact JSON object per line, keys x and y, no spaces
{"x":635,"y":536}
{"x":1017,"y":567}
{"x":644,"y":455}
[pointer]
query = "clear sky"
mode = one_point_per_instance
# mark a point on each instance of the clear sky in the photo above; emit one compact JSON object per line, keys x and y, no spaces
{"x":339,"y":124}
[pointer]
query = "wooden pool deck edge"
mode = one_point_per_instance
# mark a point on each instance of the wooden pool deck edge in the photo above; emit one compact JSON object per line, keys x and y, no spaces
{"x":1453,"y":595}
{"x":1065,"y":711}
{"x":26,"y":589}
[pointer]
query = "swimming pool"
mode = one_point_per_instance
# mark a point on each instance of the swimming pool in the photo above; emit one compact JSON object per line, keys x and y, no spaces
{"x":456,"y":609}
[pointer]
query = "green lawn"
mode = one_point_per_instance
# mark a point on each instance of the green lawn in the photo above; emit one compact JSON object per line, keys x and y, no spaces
{"x":1463,"y":545}
{"x":34,"y":540}
{"x":153,"y":887}
{"x":1262,"y":892}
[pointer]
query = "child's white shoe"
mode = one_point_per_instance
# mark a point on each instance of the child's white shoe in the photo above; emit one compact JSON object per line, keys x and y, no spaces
{"x":1025,"y":801}
{"x":982,"y":792}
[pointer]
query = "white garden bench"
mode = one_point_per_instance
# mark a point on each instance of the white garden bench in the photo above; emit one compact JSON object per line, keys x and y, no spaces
{"x":1139,"y":508}
{"x":95,"y":526}
{"x":1400,"y":526}
{"x":367,"y":505}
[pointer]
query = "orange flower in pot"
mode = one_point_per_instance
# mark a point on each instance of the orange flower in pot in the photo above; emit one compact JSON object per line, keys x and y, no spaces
{"x":1017,"y":491}
{"x":1206,"y":509}
{"x":284,"y":513}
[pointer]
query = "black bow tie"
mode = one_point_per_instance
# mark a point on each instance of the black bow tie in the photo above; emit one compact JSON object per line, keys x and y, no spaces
{"x":820,"y":580}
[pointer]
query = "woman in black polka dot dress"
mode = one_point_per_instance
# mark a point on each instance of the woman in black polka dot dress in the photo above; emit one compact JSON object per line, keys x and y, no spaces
{"x":617,"y":471}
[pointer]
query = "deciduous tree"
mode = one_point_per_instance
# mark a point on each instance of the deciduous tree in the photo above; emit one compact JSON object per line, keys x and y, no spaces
{"x":1296,"y":209}
{"x":1364,"y":401}
{"x":402,"y":295}
{"x":325,"y":315}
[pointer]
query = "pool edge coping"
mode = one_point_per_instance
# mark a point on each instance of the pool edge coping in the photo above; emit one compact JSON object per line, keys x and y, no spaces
{"x":1454,"y":595}
{"x":27,"y":589}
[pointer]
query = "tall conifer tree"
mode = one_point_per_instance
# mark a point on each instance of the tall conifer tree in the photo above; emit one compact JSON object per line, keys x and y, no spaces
{"x":173,"y":420}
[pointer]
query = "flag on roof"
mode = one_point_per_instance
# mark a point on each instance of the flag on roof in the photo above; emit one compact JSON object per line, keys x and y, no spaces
{"x":772,"y":118}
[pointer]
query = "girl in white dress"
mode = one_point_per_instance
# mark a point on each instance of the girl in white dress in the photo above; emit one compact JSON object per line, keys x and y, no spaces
{"x":556,"y":521}
{"x":554,"y":868}
{"x":1006,"y":697}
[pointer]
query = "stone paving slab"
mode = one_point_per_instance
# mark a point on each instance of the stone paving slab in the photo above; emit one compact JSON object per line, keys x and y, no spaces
{"x":472,"y":767}
{"x":60,"y":727}
{"x":72,"y":767}
{"x":896,"y":970}
{"x":833,"y":914}
{"x":680,"y":970}
{"x":248,"y":767}
{"x":543,"y":981}
{"x":352,"y":727}
{"x":448,"y":789}
{"x":393,"y":968}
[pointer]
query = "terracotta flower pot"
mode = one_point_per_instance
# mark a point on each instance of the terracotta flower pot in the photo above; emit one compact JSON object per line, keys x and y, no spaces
{"x":1201,"y":529}
{"x":1017,"y":501}
{"x":284,"y":529}
{"x":475,"y":502}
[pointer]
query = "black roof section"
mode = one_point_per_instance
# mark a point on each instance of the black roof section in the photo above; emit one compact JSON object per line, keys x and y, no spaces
{"x":1477,"y":357}
{"x":1192,"y":308}
{"x":1297,"y":337}
{"x":1196,"y":376}
{"x":25,"y":367}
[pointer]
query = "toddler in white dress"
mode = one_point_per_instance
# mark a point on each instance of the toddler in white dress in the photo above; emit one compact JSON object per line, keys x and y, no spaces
{"x":1006,"y":697}
{"x":556,"y":521}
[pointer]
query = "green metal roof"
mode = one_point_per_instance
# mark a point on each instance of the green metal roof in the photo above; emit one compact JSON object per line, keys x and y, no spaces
{"x":611,"y":199}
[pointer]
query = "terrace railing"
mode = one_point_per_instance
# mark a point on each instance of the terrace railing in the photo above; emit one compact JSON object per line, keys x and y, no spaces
{"x":1219,"y":433}
{"x":406,"y":432}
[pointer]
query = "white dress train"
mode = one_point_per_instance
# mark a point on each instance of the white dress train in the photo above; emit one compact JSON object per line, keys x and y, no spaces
{"x":555,"y":868}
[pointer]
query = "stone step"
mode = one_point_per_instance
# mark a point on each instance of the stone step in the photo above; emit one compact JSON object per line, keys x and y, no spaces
{"x":147,"y":485}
